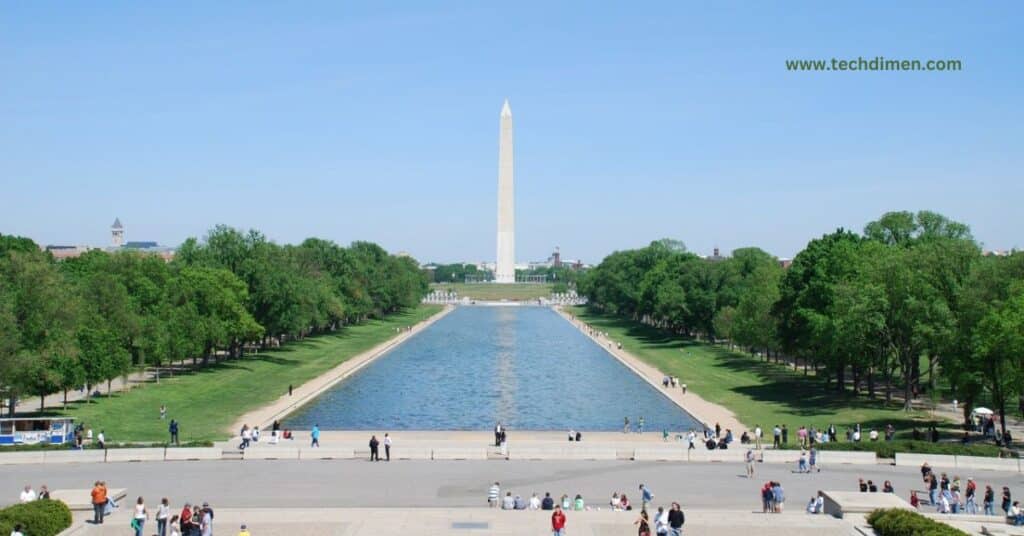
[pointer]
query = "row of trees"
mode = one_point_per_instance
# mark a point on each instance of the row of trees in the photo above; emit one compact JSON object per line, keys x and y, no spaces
{"x":866,"y":310}
{"x":93,"y":318}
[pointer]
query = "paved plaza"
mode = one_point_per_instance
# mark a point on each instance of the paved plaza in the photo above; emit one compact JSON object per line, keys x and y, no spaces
{"x":361,"y":496}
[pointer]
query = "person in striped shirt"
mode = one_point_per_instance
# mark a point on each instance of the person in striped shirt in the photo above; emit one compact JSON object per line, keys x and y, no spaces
{"x":493,"y":494}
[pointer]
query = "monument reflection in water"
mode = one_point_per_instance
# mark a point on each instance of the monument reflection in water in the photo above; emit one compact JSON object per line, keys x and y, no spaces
{"x":523,"y":366}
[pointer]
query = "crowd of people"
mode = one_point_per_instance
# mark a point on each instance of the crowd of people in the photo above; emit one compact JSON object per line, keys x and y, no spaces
{"x":665,"y":521}
{"x":951,"y":496}
{"x":193,"y":520}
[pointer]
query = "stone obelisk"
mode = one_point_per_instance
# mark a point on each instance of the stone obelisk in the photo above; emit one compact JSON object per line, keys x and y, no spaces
{"x":505,"y":269}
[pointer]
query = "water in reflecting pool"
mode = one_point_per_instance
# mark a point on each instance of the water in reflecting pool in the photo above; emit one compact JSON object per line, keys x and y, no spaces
{"x":524,"y":366}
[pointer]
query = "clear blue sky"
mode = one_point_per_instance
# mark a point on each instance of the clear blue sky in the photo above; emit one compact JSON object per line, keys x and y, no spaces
{"x":380,"y":122}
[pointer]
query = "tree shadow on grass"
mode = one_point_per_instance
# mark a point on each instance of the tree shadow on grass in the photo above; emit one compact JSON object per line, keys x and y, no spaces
{"x":776,"y":385}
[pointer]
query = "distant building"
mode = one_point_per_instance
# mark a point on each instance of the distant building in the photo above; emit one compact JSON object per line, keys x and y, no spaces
{"x":715,"y":256}
{"x":66,"y":252}
{"x":785,"y":263}
{"x":117,"y":233}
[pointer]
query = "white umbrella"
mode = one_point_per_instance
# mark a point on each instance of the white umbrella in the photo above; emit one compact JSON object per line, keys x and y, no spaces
{"x":982,"y":411}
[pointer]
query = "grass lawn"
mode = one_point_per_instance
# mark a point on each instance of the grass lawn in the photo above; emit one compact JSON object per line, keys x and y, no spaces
{"x":208,"y":401}
{"x":495,"y":291}
{"x":757,"y":392}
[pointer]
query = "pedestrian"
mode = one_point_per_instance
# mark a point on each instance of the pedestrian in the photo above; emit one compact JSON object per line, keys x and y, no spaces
{"x":625,"y":425}
{"x":173,"y":430}
{"x":206,"y":526}
{"x":778,"y":497}
{"x":684,"y":388}
{"x":1006,"y":500}
{"x":185,"y":520}
{"x":315,"y":434}
{"x":172,"y":527}
{"x":492,"y":495}
{"x":289,"y":389}
{"x":643,"y":524}
{"x":163,"y":412}
{"x":101,"y":440}
{"x":139,"y":519}
{"x":374,"y":456}
{"x":777,"y":437}
{"x":785,"y":435}
{"x":243,"y":531}
{"x":640,"y":425}
{"x":750,"y":463}
{"x":661,"y":522}
{"x":17,"y":530}
{"x":387,"y":447}
{"x":163,"y":512}
{"x":497,"y":434}
{"x":757,"y":436}
{"x":989,"y":501}
{"x":718,"y":430}
{"x":676,"y":518}
{"x":99,"y":502}
{"x":558,"y":522}
{"x":646,"y":497}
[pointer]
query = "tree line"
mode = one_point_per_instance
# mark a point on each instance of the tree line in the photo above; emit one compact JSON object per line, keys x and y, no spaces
{"x":868,"y":311}
{"x":90,"y":319}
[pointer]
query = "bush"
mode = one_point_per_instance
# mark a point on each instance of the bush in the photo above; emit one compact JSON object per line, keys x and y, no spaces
{"x":37,"y":518}
{"x":48,"y":446}
{"x":900,"y":522}
{"x":888,"y":449}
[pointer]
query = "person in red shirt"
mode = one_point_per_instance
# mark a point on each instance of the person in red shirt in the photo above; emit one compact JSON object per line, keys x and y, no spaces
{"x":558,"y":522}
{"x":185,"y":521}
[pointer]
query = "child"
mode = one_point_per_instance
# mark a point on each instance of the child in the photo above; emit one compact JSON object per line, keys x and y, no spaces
{"x":243,"y":531}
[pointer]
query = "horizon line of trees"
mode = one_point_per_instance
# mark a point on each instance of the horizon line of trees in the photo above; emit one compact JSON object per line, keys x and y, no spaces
{"x":90,"y":319}
{"x":863,"y":309}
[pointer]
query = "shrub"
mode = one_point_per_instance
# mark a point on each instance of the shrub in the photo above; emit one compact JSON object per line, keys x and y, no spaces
{"x":888,"y":449}
{"x":900,"y":522}
{"x":37,"y":518}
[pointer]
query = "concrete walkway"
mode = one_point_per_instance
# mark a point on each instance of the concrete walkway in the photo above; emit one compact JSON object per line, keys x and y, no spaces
{"x":480,"y":521}
{"x":702,"y":410}
{"x":265,"y":416}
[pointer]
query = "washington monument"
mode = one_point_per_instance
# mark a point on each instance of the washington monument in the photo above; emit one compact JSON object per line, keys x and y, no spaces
{"x":505,"y":270}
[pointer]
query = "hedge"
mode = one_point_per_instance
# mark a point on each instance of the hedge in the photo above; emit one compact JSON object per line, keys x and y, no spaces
{"x":37,"y":518}
{"x":900,"y":522}
{"x":888,"y":449}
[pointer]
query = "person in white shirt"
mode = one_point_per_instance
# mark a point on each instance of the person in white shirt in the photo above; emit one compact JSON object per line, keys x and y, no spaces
{"x":757,"y":436}
{"x":101,"y":440}
{"x":28,"y":495}
{"x":661,"y":521}
{"x":873,"y":435}
{"x":139,"y":520}
{"x":17,"y":530}
{"x":535,"y":502}
{"x":509,"y":502}
{"x":163,"y":513}
{"x":387,"y":447}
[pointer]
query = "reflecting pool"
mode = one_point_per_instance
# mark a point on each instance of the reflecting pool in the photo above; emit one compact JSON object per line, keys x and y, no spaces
{"x":524,"y":366}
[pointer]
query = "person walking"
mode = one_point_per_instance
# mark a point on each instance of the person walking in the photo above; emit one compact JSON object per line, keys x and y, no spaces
{"x":750,"y":463}
{"x":497,"y":434}
{"x":661,"y":522}
{"x":206,"y":525}
{"x":163,"y":513}
{"x":989,"y":501}
{"x":139,"y":519}
{"x":374,"y":456}
{"x":757,"y":436}
{"x":99,"y":502}
{"x":387,"y":447}
{"x":173,"y":430}
{"x":643,"y":524}
{"x":625,"y":425}
{"x":558,"y":522}
{"x":646,"y":497}
{"x":101,"y":440}
{"x":776,"y":437}
{"x":315,"y":435}
{"x":676,"y":518}
{"x":640,"y":425}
